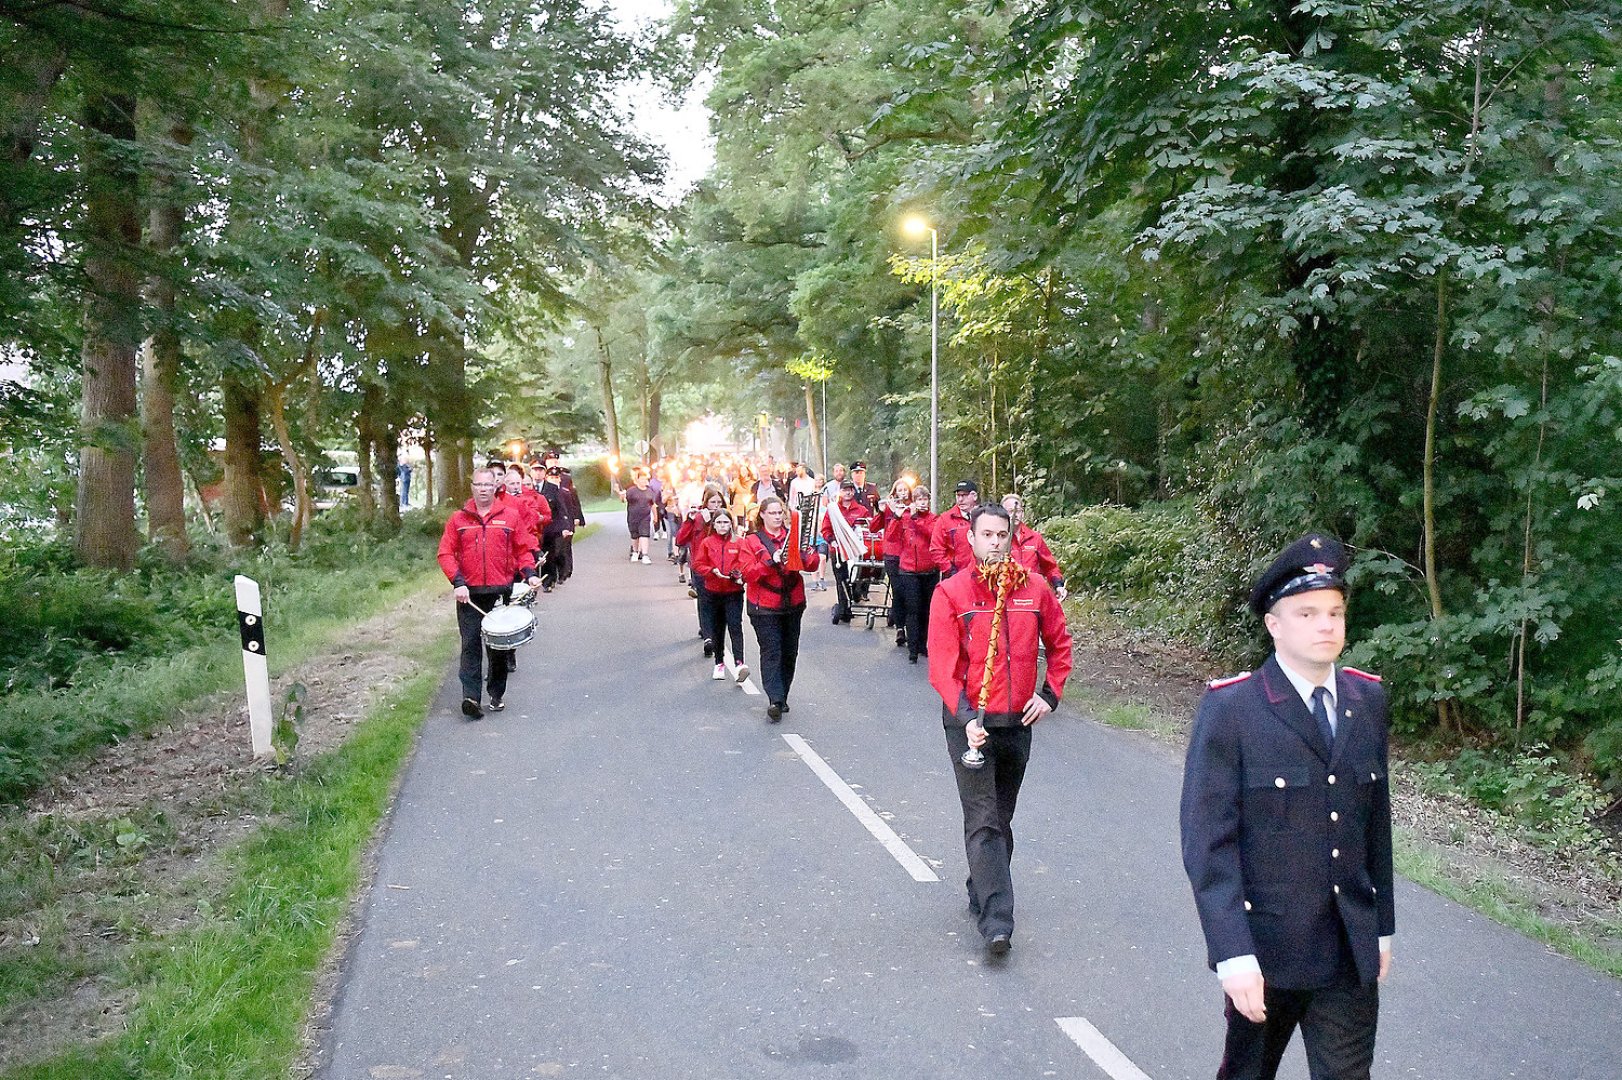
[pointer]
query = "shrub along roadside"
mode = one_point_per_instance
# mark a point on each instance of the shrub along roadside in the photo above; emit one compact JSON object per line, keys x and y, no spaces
{"x":342,"y":575}
{"x":229,"y":998}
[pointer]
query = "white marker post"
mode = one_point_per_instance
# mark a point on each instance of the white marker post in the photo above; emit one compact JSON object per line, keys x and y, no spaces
{"x":251,"y":623}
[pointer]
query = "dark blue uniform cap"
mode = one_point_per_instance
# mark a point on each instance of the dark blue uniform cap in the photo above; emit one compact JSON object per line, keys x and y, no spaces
{"x":1316,"y":561}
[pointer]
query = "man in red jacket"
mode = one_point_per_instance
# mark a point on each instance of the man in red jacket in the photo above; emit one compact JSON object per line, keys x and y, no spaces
{"x":1030,"y":549}
{"x":949,"y":543}
{"x":482,"y":546}
{"x":993,"y":715}
{"x":858,"y":516}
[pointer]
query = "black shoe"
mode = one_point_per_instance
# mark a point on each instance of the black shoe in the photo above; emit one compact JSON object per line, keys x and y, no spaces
{"x":774,"y":713}
{"x":999,"y":945}
{"x":784,"y":703}
{"x":546,"y":588}
{"x":901,"y":639}
{"x":912,"y":658}
{"x":709,"y":647}
{"x":838,"y":618}
{"x":470,"y":708}
{"x":496,"y":704}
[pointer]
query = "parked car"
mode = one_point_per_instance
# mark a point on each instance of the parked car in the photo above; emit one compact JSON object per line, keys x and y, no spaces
{"x":335,"y":484}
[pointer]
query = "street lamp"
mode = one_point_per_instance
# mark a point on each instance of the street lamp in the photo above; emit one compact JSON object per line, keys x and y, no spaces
{"x":917,"y":226}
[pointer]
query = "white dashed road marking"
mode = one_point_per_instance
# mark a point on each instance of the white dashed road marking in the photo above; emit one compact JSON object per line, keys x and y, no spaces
{"x":1103,"y":1052}
{"x":874,"y":824}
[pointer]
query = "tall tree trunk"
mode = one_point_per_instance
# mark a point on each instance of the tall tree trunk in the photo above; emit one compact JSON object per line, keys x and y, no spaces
{"x":1433,"y":586}
{"x":388,"y":471}
{"x":813,"y":423}
{"x":428,"y":467}
{"x":656,"y":404}
{"x":303,"y":507}
{"x":605,"y":372}
{"x":160,"y":372}
{"x":244,"y":482}
{"x":371,"y":398}
{"x":104,"y":525}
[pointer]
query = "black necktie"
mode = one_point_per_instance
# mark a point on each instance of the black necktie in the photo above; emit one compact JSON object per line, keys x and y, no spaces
{"x":1320,"y":713}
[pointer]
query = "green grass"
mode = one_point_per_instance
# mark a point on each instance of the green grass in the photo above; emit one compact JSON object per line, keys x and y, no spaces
{"x":229,"y":998}
{"x":602,"y":506}
{"x":42,"y":732}
{"x":1597,"y":943}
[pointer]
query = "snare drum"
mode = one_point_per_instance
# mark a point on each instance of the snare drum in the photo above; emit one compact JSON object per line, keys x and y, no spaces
{"x":506,"y":628}
{"x":523,"y":594}
{"x":873,"y":545}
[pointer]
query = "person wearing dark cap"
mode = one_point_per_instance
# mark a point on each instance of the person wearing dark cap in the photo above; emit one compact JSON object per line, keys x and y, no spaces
{"x":949,"y":542}
{"x":856,"y":516}
{"x":1286,"y":831}
{"x":866,"y":494}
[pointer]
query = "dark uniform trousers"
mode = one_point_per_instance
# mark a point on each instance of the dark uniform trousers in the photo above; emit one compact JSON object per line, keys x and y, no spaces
{"x":705,"y":630}
{"x":553,"y":547}
{"x":1337,"y":1025}
{"x":892,"y":570}
{"x":778,"y":633}
{"x":989,"y":795}
{"x":469,"y":623}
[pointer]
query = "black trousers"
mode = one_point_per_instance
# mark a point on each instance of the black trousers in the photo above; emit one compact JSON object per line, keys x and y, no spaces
{"x":892,"y":571}
{"x":989,"y":795}
{"x":705,"y":631}
{"x":778,"y":634}
{"x":916,"y":590}
{"x":469,"y":619}
{"x":722,"y":613}
{"x":552,"y":569}
{"x":568,"y":558}
{"x":842,"y":589}
{"x":1337,"y":1022}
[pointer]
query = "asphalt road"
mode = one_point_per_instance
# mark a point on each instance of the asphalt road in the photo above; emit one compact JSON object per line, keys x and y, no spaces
{"x":630,"y":874}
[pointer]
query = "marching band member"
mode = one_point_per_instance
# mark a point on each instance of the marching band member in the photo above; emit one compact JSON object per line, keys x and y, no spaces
{"x":695,"y":527}
{"x":776,"y":602}
{"x":1030,"y":550}
{"x":888,"y":521}
{"x":867,"y":494}
{"x":480,"y":548}
{"x":718,"y":563}
{"x":950,"y":541}
{"x":857,"y":516}
{"x":983,"y":645}
{"x":918,"y":574}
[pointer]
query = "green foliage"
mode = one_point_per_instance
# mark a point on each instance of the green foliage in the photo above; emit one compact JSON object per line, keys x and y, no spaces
{"x":110,"y":656}
{"x":284,"y":733}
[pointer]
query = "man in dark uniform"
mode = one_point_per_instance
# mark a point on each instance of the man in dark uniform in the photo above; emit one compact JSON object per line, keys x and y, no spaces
{"x":866,"y":494}
{"x":1286,"y":823}
{"x":993,"y":710}
{"x":555,"y":536}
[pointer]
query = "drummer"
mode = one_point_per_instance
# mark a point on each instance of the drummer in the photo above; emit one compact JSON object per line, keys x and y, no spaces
{"x":857,"y":516}
{"x":483,"y":543}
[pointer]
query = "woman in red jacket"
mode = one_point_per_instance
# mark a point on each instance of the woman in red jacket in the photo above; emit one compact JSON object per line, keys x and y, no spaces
{"x":888,"y":521}
{"x":776,"y":601}
{"x":694,"y":528}
{"x":918,"y":574}
{"x":718,"y":564}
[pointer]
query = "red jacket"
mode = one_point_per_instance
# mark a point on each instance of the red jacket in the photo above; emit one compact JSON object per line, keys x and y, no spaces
{"x":543,"y":510}
{"x":949,"y":543}
{"x":915,"y":531}
{"x":771,"y":588}
{"x":888,"y":522}
{"x":1032,"y":552}
{"x":858,"y":515}
{"x":693,"y":529}
{"x":712,"y":553}
{"x":959,"y":628}
{"x":483,"y":552}
{"x":529,"y":522}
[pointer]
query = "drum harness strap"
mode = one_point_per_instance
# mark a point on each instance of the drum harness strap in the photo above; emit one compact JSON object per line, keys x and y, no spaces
{"x":783,"y":588}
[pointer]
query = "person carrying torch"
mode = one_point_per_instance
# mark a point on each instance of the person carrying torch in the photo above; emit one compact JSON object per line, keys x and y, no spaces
{"x":986,"y":627}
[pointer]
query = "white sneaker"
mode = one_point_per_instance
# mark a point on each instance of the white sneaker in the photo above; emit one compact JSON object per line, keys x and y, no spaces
{"x":719,"y":673}
{"x":741,"y":674}
{"x":646,"y":561}
{"x":633,"y":556}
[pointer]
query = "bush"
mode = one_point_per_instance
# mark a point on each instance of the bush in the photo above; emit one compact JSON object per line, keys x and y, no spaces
{"x":1160,"y":567}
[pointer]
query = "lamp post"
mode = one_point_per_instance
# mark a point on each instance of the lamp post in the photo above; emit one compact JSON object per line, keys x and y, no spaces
{"x":917,"y":226}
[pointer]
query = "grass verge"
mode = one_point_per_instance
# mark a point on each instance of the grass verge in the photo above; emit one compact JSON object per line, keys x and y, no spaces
{"x":1597,"y":944}
{"x":228,"y":999}
{"x":43,"y":732}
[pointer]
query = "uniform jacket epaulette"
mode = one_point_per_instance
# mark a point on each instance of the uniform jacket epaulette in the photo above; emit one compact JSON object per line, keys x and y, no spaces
{"x":1365,"y":675}
{"x":1231,"y":680}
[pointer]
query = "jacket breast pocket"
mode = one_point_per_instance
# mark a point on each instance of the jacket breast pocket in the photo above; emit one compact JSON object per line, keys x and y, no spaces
{"x":1279,"y":798}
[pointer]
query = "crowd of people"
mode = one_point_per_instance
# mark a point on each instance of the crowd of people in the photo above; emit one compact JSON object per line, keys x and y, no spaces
{"x":1286,"y":817}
